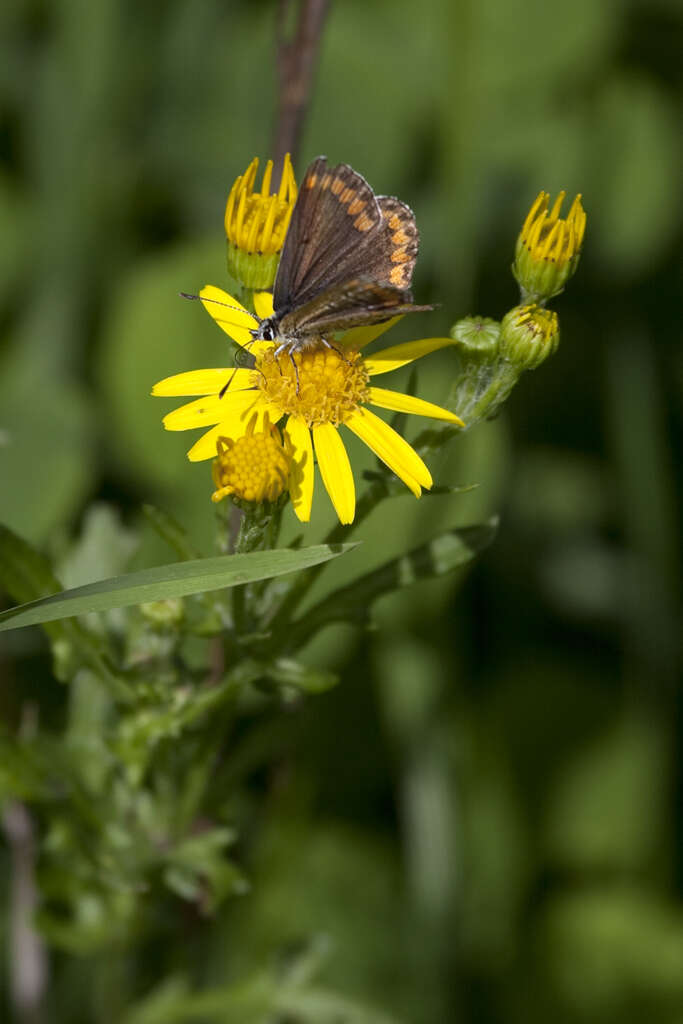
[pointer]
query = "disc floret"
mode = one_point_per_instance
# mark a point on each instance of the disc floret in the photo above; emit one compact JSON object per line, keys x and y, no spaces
{"x":320,"y":384}
{"x":253,"y":468}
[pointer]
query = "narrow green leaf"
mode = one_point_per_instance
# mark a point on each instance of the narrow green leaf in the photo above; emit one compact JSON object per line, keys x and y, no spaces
{"x":437,"y":557}
{"x":164,"y":581}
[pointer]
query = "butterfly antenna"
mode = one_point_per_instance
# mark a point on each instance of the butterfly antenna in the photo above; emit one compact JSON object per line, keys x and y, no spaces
{"x":243,"y":349}
{"x":205,"y":298}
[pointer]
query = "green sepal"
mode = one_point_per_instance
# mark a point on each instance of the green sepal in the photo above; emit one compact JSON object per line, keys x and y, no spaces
{"x":253,"y":270}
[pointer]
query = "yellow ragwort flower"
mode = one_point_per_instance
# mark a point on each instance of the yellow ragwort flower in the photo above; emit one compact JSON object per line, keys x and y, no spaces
{"x":254,"y":467}
{"x":256,"y":224}
{"x":317,"y":390}
{"x":548,"y":247}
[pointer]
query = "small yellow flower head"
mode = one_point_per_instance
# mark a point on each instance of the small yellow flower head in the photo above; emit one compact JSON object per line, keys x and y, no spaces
{"x":528,"y":335}
{"x":256,"y":224}
{"x":548,"y":247}
{"x":254,"y":467}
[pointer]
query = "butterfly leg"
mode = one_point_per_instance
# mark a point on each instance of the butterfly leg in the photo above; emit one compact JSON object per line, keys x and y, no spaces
{"x":296,"y":370}
{"x":278,"y":350}
{"x":328,"y":344}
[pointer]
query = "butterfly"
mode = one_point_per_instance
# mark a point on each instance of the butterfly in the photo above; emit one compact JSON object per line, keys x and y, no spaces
{"x":347,"y":261}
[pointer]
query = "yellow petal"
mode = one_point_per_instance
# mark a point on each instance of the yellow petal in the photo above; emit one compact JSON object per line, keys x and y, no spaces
{"x":358,"y":337}
{"x":392,"y":449}
{"x":229,"y":314}
{"x":205,"y":447}
{"x":302,"y":472}
{"x":400,"y":355}
{"x":335,"y":470}
{"x":202,"y":382}
{"x":263,"y":304}
{"x":406,"y":403}
{"x":231,"y":426}
{"x":211,"y":409}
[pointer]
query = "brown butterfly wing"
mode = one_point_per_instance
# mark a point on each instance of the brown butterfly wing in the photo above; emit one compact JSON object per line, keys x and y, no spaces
{"x":351,"y":304}
{"x":321,"y":234}
{"x":397,"y":255}
{"x":341,"y":232}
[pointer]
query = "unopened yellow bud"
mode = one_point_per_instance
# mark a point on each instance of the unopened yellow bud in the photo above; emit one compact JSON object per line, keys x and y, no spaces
{"x":256,"y":223}
{"x":528,"y":335}
{"x":548,"y":247}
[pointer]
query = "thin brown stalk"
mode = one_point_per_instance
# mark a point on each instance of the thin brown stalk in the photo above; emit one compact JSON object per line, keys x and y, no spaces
{"x":297,"y":56}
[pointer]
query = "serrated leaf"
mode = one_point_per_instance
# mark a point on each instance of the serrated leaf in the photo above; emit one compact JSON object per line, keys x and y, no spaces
{"x":164,"y":581}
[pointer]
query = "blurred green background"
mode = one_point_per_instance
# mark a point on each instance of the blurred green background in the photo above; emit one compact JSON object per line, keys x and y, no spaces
{"x":482,"y":820}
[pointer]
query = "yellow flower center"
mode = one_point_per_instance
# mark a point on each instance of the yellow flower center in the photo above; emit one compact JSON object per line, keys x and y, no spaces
{"x":255,"y":467}
{"x":257,"y":222}
{"x":321,"y":384}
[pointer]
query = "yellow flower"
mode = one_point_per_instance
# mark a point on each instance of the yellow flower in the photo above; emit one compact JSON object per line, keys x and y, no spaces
{"x":548,"y":247}
{"x":318,"y":390}
{"x":256,"y":224}
{"x":255,"y":467}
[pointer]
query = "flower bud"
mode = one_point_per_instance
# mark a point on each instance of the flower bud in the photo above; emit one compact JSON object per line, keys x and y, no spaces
{"x":477,"y":335}
{"x":485,"y":379}
{"x":528,"y":335}
{"x":548,"y":248}
{"x":256,"y":224}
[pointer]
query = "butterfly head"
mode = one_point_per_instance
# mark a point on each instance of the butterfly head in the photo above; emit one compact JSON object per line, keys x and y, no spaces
{"x":267,"y":330}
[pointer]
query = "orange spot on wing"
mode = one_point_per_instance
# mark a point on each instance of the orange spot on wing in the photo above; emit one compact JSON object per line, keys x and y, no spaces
{"x":397,"y":276}
{"x":325,"y":183}
{"x":400,"y":238}
{"x":363,"y":222}
{"x":356,"y":206}
{"x":399,"y":256}
{"x":337,"y":185}
{"x":394,"y":221}
{"x":346,"y":196}
{"x":311,"y":180}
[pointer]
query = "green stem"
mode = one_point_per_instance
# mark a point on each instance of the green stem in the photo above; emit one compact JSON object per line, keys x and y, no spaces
{"x":481,"y":388}
{"x":258,"y":531}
